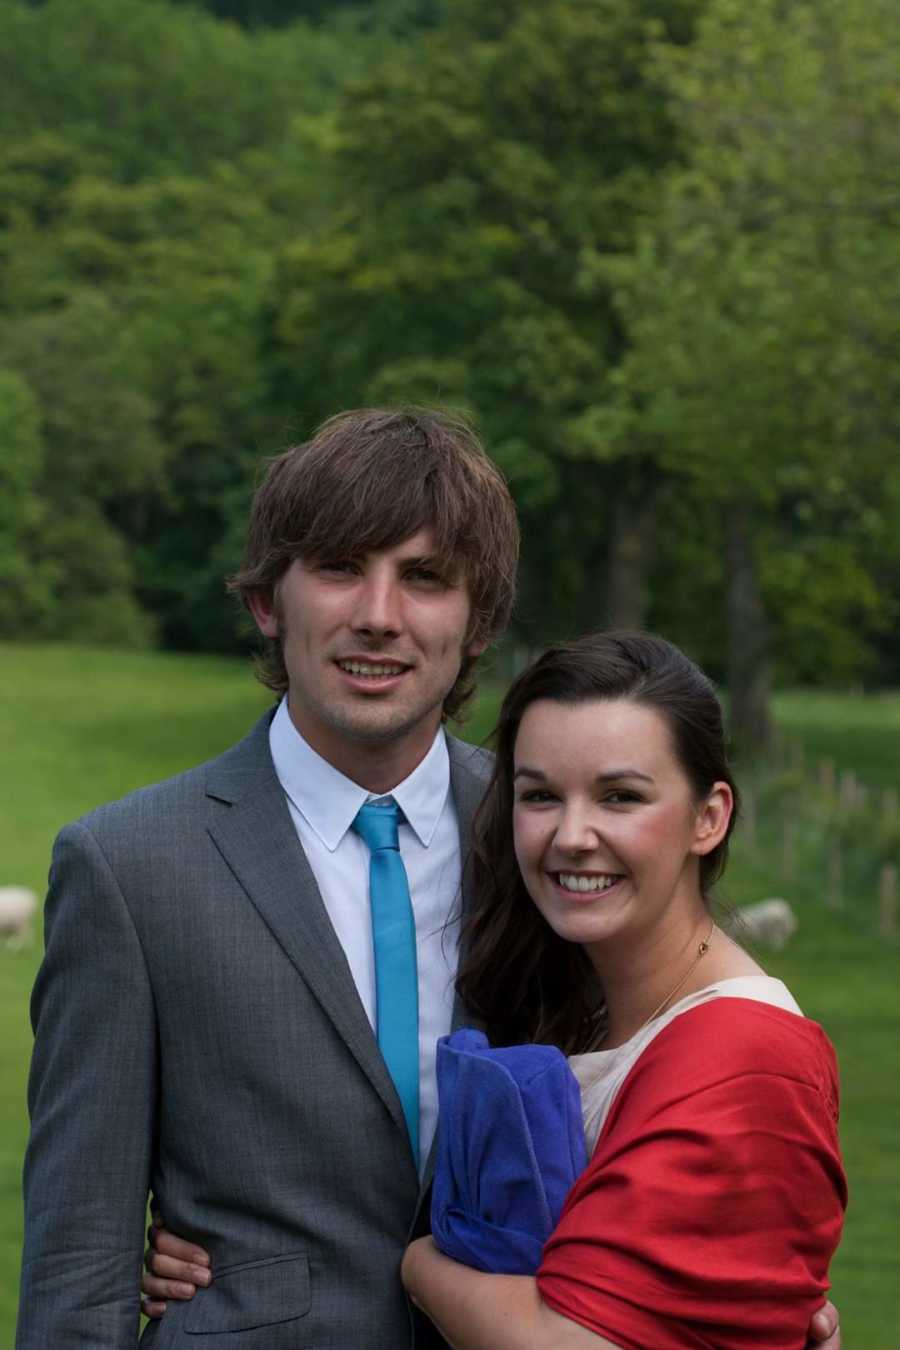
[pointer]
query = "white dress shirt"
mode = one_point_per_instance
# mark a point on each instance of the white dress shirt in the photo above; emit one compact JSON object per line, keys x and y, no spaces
{"x":323,"y":804}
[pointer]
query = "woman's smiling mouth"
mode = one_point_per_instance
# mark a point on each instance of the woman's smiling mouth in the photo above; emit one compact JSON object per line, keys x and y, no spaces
{"x":583,"y":883}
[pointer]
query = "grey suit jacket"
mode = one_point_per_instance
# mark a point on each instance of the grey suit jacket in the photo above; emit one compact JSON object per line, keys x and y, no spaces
{"x":198,"y":1034}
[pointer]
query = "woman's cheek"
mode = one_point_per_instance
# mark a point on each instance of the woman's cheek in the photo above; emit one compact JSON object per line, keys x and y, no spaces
{"x":519,"y":836}
{"x":529,"y":841}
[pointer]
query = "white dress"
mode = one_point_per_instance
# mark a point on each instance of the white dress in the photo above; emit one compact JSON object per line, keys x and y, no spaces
{"x":601,"y":1073}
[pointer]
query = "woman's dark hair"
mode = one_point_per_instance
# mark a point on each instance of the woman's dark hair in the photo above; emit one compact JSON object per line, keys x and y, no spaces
{"x":522,"y":980}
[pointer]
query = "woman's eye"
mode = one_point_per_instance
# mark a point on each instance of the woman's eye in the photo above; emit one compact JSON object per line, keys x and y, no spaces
{"x":622,"y":796}
{"x":536,"y":795}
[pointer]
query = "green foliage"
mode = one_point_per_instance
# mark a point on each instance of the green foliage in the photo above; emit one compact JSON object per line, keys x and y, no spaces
{"x":98,"y":449}
{"x":23,"y":582}
{"x":651,"y":247}
{"x":65,"y":571}
{"x":758,"y":303}
{"x":139,"y":84}
{"x":146,"y":199}
{"x":491,"y":161}
{"x":369,"y":13}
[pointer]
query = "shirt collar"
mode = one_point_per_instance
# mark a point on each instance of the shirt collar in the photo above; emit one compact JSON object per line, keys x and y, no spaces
{"x":329,"y":801}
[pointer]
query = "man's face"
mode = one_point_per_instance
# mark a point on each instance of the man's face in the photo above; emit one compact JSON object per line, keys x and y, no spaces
{"x":372,"y":646}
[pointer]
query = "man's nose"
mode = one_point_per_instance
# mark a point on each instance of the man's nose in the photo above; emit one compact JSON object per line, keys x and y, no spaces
{"x":378,"y":609}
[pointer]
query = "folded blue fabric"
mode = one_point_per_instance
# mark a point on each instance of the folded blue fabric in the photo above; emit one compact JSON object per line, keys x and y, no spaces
{"x":510,"y":1145}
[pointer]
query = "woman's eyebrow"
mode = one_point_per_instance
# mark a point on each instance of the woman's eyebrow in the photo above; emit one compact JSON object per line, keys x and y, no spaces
{"x":616,"y":774}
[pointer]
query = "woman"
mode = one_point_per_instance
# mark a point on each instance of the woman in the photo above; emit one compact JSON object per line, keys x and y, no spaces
{"x":714,"y":1196}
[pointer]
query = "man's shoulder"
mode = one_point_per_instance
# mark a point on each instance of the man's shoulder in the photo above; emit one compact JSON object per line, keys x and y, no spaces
{"x":471,"y":759}
{"x":222,"y":774}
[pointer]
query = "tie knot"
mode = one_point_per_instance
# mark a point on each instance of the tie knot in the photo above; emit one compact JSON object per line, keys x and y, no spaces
{"x":378,"y":825}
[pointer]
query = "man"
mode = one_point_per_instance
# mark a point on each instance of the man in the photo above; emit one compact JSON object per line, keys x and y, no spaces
{"x":204,"y":1013}
{"x":209,"y":1014}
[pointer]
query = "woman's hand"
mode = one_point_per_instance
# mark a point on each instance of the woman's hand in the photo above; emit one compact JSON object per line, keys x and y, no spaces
{"x":475,"y":1311}
{"x":175,"y":1269}
{"x":415,"y":1259}
{"x":824,"y":1331}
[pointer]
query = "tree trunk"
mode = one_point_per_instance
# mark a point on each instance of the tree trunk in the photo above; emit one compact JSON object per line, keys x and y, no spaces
{"x":749,"y":663}
{"x":632,"y":547}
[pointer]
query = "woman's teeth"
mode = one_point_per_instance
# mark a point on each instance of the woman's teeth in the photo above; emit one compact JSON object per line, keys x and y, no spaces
{"x":573,"y":881}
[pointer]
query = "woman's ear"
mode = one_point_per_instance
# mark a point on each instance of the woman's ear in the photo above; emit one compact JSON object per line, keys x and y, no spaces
{"x":713,"y":818}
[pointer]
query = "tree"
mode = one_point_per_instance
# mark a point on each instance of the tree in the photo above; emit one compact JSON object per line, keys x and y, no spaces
{"x":24,"y":583}
{"x":759,"y":305}
{"x":136,"y":272}
{"x":255,"y":13}
{"x":482,"y":172}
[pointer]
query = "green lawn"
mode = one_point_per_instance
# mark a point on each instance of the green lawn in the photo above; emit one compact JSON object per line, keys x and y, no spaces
{"x":80,"y":726}
{"x":858,"y":733}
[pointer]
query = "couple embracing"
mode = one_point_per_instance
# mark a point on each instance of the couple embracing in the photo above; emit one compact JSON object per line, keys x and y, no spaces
{"x":248,"y":969}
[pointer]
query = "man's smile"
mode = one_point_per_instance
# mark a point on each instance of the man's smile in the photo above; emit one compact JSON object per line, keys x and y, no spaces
{"x":369,"y":666}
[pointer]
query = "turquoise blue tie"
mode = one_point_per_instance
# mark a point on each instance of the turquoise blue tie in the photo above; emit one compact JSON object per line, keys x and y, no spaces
{"x":394,"y":941}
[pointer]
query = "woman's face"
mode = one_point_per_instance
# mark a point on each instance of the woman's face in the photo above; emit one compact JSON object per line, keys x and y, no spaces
{"x":608,"y":832}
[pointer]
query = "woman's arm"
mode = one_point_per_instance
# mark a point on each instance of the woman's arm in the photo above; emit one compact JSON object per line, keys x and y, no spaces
{"x":474,"y":1311}
{"x":175,"y":1268}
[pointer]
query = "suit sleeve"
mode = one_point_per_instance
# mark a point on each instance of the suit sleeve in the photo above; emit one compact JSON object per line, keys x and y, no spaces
{"x":714,"y":1199}
{"x":92,"y":1099}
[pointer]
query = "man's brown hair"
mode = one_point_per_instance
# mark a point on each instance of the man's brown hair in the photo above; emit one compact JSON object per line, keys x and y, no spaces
{"x":369,"y":479}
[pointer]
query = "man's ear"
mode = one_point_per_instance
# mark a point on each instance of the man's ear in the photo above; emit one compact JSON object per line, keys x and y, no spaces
{"x":713,"y":819}
{"x":262,"y":605}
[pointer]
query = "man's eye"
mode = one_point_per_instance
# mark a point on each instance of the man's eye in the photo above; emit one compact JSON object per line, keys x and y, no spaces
{"x":426,"y":574}
{"x":337,"y":565}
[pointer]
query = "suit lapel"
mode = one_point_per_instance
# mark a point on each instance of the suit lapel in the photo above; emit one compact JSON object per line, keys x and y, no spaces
{"x":252,"y":829}
{"x":469,"y":770}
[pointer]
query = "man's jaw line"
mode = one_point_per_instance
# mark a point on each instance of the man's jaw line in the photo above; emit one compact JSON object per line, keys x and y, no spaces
{"x":377,"y":752}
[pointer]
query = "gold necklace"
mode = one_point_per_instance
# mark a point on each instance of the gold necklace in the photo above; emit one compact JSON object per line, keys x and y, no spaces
{"x":701,"y":952}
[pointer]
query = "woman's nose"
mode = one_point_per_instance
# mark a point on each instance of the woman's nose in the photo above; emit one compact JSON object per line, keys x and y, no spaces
{"x":575,"y":832}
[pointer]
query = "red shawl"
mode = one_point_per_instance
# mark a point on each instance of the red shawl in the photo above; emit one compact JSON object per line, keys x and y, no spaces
{"x":714,"y":1199}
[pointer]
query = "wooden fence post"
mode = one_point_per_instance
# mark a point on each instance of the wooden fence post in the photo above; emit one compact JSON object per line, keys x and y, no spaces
{"x":835,"y":893}
{"x":789,"y":850}
{"x":888,"y":901}
{"x":847,"y":793}
{"x":826,"y":777}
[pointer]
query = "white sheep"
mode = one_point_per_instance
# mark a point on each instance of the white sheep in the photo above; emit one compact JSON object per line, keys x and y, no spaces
{"x":769,"y":923}
{"x":18,"y":906}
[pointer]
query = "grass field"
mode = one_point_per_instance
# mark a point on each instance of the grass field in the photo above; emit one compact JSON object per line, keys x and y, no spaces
{"x":81,"y":726}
